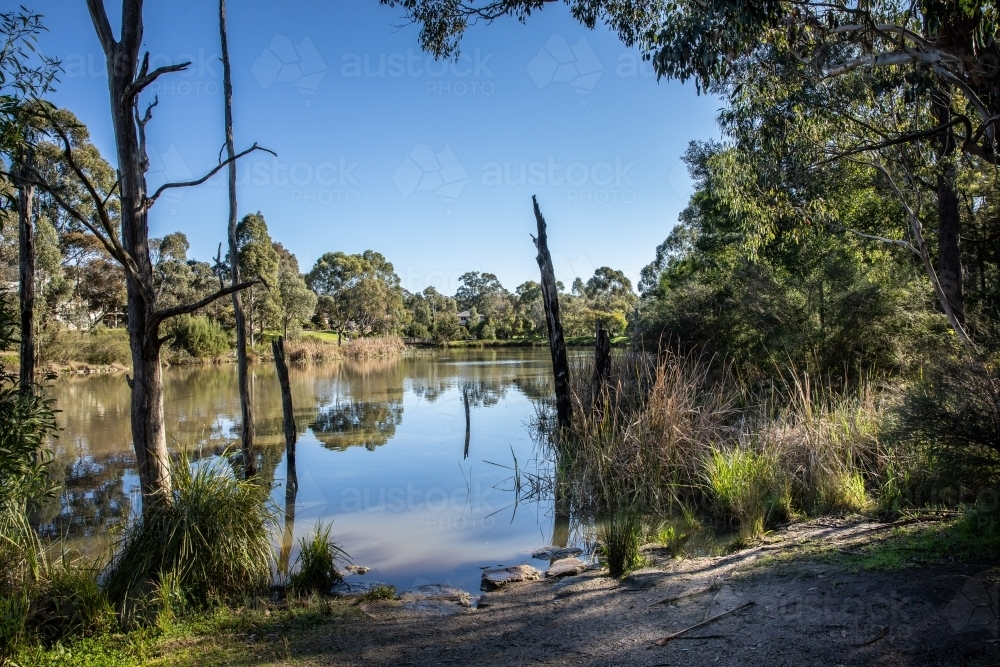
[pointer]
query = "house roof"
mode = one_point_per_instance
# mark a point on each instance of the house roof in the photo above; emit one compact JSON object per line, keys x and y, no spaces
{"x":466,"y":314}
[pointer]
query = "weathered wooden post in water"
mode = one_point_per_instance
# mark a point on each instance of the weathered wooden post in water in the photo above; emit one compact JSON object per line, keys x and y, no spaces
{"x":468,"y":426}
{"x":291,"y":476}
{"x":602,"y":363}
{"x":557,"y":345}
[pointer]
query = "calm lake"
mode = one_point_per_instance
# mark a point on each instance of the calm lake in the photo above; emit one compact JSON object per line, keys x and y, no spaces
{"x":382,"y":452}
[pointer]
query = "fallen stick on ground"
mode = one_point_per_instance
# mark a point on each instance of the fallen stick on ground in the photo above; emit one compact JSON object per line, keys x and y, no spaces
{"x":685,"y":594}
{"x":882,"y":633}
{"x":665,"y":640}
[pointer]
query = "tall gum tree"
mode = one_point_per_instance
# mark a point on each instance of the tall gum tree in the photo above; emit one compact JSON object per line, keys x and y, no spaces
{"x":127,"y":238}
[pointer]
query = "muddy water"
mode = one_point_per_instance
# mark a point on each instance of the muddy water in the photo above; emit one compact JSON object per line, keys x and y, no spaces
{"x":382,"y":452}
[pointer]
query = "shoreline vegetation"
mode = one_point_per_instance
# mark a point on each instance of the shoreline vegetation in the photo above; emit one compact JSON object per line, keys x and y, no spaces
{"x":105,"y":350}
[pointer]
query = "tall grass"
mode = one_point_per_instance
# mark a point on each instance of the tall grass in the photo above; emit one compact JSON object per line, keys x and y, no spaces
{"x":210,"y":542}
{"x":316,"y":569}
{"x":680,"y":430}
{"x":312,"y":348}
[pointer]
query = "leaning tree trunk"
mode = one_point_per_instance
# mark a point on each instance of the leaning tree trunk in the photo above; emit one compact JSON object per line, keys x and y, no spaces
{"x":246,"y":406}
{"x":26,"y":271}
{"x":949,"y":219}
{"x":557,"y":344}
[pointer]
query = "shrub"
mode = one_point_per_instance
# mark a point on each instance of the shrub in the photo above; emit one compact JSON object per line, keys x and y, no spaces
{"x":70,"y":603}
{"x":620,"y":534}
{"x":380,"y":592}
{"x":317,"y":562}
{"x":487,"y":333}
{"x":418,"y":330}
{"x":747,"y":485}
{"x":199,"y":336}
{"x":100,"y":346}
{"x":211,"y":537}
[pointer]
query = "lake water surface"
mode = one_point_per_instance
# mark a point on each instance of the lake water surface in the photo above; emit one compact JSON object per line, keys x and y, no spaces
{"x":382,"y":452}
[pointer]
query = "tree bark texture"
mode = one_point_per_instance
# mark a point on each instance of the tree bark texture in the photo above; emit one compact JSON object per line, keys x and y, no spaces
{"x":26,"y":276}
{"x":246,"y":405}
{"x":148,"y":435}
{"x":949,"y":218}
{"x":602,"y":363}
{"x":557,"y":343}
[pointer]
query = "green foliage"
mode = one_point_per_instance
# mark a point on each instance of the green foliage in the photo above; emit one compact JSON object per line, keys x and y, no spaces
{"x":620,"y":533}
{"x":70,"y":603}
{"x":487,"y":333}
{"x":316,"y":565}
{"x":211,"y":537}
{"x":363,"y":289}
{"x":748,"y":486}
{"x":259,"y":259}
{"x":380,"y":592}
{"x":99,"y":346}
{"x":199,"y":336}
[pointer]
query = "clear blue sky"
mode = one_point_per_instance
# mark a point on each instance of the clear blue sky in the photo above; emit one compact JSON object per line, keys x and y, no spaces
{"x":379,"y":146}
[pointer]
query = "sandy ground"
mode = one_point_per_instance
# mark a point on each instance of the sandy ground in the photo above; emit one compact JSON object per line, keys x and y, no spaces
{"x":803,"y":611}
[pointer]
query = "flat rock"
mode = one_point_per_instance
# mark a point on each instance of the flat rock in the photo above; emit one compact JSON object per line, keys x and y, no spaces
{"x":438,"y":593}
{"x":357,"y":569}
{"x":566,"y":567}
{"x":348,"y":589}
{"x":555,"y":553}
{"x":502,"y":576}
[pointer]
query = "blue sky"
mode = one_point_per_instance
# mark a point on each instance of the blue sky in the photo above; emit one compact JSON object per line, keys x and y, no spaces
{"x":379,"y":146}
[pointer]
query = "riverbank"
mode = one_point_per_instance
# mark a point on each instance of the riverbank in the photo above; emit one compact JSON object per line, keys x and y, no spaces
{"x":821,"y":591}
{"x":107,"y":351}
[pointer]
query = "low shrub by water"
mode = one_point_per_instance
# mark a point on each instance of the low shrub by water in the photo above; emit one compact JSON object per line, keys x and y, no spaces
{"x":315,"y":569}
{"x":211,"y":539}
{"x":621,"y":535}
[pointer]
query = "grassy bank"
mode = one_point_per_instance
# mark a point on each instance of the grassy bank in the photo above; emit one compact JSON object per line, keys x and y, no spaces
{"x":571,"y":341}
{"x":107,"y":350}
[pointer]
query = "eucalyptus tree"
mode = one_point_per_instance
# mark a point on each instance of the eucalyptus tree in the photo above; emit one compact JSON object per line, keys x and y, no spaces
{"x":945,"y":56}
{"x":126,"y":237}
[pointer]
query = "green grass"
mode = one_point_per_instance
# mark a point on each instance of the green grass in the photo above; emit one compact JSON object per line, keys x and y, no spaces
{"x":380,"y":592}
{"x":316,"y":569}
{"x":326,"y":336}
{"x":747,"y":485}
{"x":221,"y":636}
{"x":621,"y":535}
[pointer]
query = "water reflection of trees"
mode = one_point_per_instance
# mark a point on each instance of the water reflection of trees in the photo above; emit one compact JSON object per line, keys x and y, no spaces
{"x":346,"y":404}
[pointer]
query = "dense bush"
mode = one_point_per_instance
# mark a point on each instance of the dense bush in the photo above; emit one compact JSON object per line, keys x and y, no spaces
{"x":199,"y":336}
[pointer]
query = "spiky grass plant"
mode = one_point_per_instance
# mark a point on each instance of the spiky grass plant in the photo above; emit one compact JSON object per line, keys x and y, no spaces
{"x":747,"y":485}
{"x":210,"y":538}
{"x":620,"y":533}
{"x":315,"y":568}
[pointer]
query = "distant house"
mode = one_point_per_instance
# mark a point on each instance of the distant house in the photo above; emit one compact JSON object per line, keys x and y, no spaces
{"x":463,"y":317}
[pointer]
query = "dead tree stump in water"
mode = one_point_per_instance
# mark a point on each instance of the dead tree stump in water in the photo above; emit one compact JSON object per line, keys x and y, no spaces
{"x":288,"y":417}
{"x":602,"y":365}
{"x":557,"y":344}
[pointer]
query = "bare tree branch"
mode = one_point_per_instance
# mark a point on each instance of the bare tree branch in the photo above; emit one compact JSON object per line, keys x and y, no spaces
{"x":913,"y":136}
{"x":145,"y":78}
{"x":103,"y":27}
{"x":187,"y":184}
{"x":184,"y":309}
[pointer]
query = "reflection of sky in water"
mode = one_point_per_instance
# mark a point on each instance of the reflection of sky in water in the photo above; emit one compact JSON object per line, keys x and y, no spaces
{"x":380,"y":453}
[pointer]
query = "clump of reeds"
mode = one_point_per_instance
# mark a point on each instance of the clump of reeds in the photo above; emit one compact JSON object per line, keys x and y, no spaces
{"x":209,"y":540}
{"x":748,"y":485}
{"x":621,"y":533}
{"x":679,"y":430}
{"x":370,"y":348}
{"x":643,"y":435}
{"x":316,"y":569}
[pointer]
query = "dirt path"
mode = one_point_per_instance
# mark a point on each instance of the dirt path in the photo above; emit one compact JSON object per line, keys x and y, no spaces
{"x":804,"y":612}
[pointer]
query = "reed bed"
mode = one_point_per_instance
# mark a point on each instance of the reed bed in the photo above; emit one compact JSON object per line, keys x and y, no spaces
{"x":679,"y":432}
{"x":308,"y":348}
